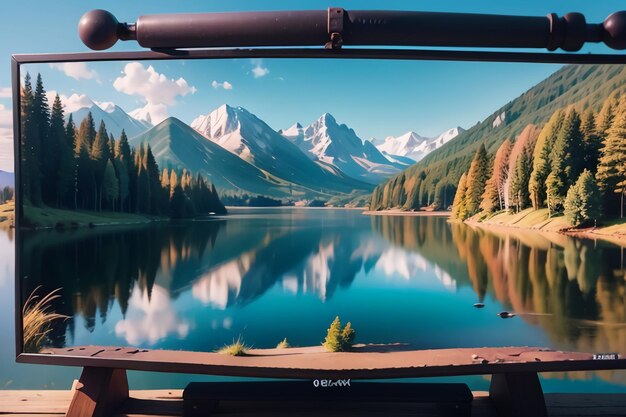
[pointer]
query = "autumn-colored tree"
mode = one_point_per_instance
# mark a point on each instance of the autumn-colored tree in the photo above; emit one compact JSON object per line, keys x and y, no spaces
{"x":520,"y":168}
{"x":592,"y":142}
{"x":476,"y":178}
{"x":566,"y":161}
{"x":611,"y":173}
{"x":493,"y":198}
{"x":459,"y":210}
{"x":542,"y":159}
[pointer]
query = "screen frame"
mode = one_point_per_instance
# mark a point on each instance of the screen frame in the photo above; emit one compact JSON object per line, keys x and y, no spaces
{"x":174,"y":366}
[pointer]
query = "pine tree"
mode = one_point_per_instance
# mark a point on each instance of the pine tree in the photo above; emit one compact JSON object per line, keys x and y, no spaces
{"x":332,"y":342}
{"x":542,"y":159}
{"x":177,"y":203}
{"x":165,"y":179}
{"x":476,"y":179}
{"x":61,"y":161}
{"x":126,"y":171}
{"x":566,"y":161}
{"x":611,"y":173}
{"x":100,"y":156}
{"x":604,"y":119}
{"x":72,"y":161}
{"x":54,"y":149}
{"x":459,"y":210}
{"x":29,"y":154}
{"x":592,"y":143}
{"x":493,"y":198}
{"x":583,"y":201}
{"x":516,"y":189}
{"x":41,"y":127}
{"x":173,"y":182}
{"x":110,"y":185}
{"x":156,"y":192}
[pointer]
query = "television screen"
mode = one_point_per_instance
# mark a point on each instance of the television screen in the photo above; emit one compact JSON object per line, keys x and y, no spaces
{"x":268,"y":212}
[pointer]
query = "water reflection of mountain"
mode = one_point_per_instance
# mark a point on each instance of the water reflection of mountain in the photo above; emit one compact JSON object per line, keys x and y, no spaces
{"x":223,"y":263}
{"x":573,"y":289}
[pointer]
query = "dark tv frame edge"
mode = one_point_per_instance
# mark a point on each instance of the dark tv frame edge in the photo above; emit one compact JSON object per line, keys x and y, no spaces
{"x":207,"y":369}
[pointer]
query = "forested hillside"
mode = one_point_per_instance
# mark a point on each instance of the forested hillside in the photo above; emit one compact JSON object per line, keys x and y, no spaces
{"x":85,"y":167}
{"x":433,"y":181}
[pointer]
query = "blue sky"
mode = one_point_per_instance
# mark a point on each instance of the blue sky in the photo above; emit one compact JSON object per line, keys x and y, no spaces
{"x":376,"y":98}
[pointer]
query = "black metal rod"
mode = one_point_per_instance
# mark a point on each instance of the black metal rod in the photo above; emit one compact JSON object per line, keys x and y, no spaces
{"x":100,"y":29}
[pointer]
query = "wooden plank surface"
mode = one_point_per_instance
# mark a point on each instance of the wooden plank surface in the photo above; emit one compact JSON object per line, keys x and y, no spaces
{"x":169,"y":403}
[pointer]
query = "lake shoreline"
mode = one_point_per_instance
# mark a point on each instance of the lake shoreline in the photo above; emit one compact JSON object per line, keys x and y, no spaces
{"x":541,"y":223}
{"x":399,"y":212}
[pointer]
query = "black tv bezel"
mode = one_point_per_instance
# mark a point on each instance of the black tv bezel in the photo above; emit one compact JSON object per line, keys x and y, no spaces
{"x":297,"y":53}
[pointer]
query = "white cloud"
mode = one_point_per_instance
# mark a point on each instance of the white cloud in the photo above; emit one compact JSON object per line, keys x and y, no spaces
{"x":156,"y":90}
{"x":151,"y":113}
{"x":76,"y":70}
{"x":150,"y":318}
{"x":259,"y":70}
{"x":6,"y":139}
{"x":71,"y":103}
{"x":5,"y":92}
{"x":225,"y":85}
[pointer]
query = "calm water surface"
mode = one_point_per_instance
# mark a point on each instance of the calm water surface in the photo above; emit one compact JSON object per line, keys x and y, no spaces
{"x":267,"y":274}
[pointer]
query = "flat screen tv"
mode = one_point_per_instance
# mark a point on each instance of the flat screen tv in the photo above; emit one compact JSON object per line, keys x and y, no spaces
{"x":311,"y":213}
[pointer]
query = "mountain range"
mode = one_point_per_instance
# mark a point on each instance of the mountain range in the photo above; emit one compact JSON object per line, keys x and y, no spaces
{"x":583,"y":86}
{"x":338,"y":145}
{"x":245,"y":135}
{"x":415,"y":147}
{"x":114,"y":117}
{"x":239,"y":152}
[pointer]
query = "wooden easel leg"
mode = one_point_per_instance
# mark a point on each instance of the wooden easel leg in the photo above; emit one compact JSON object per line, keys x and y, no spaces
{"x":99,"y":392}
{"x":517,"y":395}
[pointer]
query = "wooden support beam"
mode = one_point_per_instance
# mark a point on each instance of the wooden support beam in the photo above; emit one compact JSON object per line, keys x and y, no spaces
{"x":517,"y":395}
{"x":98,"y":393}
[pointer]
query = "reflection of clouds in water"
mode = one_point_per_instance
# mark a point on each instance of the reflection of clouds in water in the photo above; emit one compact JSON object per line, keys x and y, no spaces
{"x":221,"y":286}
{"x":217,"y":286}
{"x":150,"y":319}
{"x":317,"y":270}
{"x":398,"y":261}
{"x":226,"y":323}
{"x":7,"y":259}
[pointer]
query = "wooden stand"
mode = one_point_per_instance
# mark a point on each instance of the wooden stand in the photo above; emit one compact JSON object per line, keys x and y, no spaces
{"x":99,"y":392}
{"x":517,"y":395}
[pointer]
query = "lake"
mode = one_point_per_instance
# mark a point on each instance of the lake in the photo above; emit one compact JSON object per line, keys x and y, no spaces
{"x":263,"y":275}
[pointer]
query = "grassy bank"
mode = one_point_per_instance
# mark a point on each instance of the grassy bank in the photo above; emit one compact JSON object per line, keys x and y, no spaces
{"x":46,"y":217}
{"x":612,"y":229}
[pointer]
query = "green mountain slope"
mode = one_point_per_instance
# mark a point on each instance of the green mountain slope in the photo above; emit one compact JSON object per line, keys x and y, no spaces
{"x":176,"y":145}
{"x":434,"y":179}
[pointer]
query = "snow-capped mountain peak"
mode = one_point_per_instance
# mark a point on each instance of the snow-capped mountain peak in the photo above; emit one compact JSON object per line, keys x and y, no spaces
{"x":414,"y":146}
{"x":114,"y":117}
{"x":336,"y":144}
{"x":107,"y":106}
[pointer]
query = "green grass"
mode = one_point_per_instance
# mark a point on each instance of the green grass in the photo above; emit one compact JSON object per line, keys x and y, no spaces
{"x":43,"y":217}
{"x":237,"y":348}
{"x":529,"y":219}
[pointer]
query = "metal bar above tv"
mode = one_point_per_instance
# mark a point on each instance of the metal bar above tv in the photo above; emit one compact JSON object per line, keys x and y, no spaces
{"x":336,"y":27}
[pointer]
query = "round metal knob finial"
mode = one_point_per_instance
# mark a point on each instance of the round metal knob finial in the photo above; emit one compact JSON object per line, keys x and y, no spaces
{"x":615,"y":30}
{"x":98,"y":29}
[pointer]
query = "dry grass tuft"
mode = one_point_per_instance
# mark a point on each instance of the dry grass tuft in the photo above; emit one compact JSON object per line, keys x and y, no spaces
{"x":37,"y":318}
{"x":237,"y":348}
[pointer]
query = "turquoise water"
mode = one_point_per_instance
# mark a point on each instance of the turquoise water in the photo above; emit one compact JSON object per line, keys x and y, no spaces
{"x":267,"y":274}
